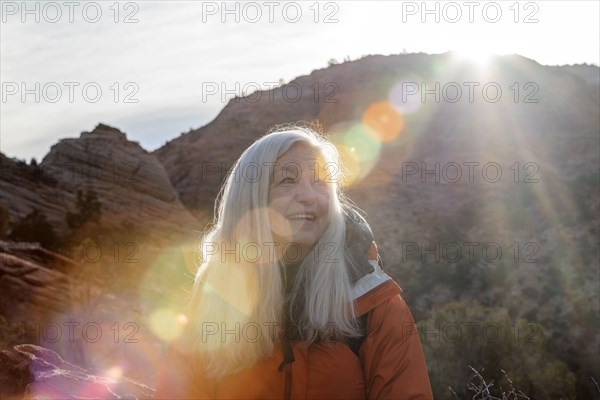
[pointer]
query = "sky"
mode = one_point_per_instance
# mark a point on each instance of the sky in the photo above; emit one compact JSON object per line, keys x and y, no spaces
{"x":155,"y":69}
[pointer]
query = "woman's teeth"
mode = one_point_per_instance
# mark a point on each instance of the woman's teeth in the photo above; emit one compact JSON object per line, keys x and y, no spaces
{"x":306,"y":217}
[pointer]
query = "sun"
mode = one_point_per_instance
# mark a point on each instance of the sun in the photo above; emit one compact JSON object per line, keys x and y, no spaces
{"x":475,"y":55}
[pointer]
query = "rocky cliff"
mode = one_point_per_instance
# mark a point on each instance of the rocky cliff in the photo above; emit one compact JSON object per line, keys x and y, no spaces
{"x":90,"y":298}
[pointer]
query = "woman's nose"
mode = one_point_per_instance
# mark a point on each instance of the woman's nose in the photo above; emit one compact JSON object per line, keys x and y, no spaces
{"x":305,"y":191}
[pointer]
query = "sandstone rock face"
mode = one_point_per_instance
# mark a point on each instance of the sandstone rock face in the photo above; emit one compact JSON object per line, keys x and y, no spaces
{"x":76,"y":310}
{"x":33,"y":372}
{"x":131,"y":184}
{"x":107,"y":275}
{"x":35,"y":285}
{"x":23,"y":189}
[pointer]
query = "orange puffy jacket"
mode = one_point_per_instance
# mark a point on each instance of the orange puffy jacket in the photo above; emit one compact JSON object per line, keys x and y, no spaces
{"x":389,"y":364}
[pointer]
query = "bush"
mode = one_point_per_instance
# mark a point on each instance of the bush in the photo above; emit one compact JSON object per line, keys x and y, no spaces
{"x":34,"y":227}
{"x":88,"y":209}
{"x":460,"y":335}
{"x":4,"y":221}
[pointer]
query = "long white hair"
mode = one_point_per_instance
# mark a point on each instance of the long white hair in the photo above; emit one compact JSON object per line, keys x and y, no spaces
{"x":237,"y":303}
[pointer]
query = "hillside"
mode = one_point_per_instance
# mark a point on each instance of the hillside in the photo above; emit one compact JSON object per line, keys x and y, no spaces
{"x":511,"y":166}
{"x":481,"y":187}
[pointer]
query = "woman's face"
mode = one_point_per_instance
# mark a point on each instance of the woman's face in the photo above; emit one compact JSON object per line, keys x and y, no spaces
{"x":298,"y":201}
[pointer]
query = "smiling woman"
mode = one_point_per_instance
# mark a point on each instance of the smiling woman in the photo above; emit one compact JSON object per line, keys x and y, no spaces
{"x":290,"y":300}
{"x":298,"y":198}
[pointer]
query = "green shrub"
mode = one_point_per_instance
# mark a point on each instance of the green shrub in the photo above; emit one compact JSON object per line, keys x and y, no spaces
{"x":460,"y":335}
